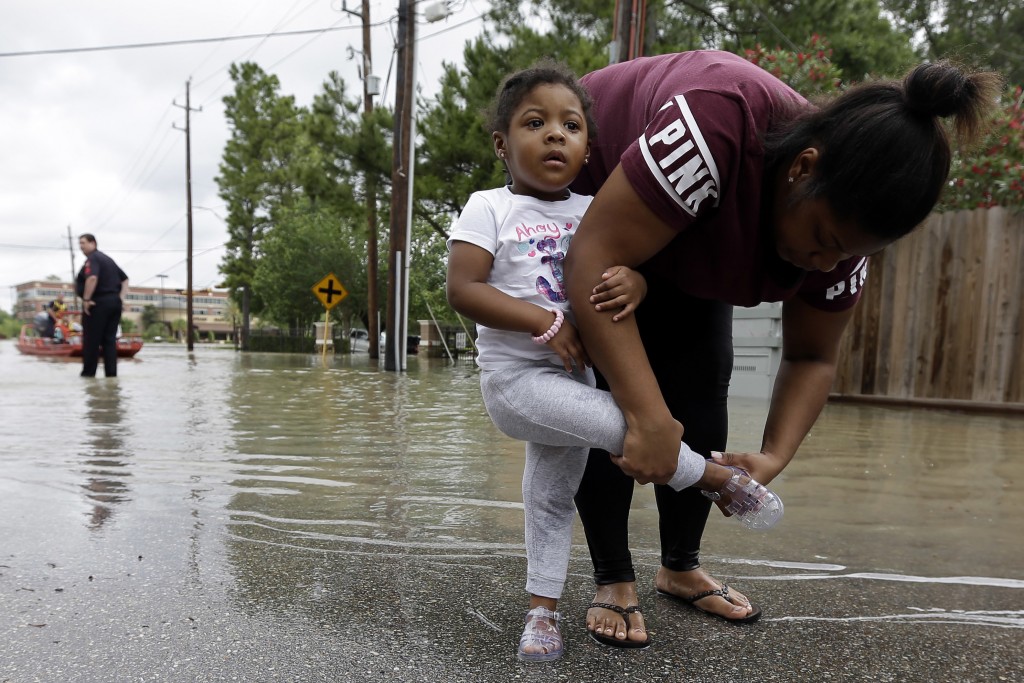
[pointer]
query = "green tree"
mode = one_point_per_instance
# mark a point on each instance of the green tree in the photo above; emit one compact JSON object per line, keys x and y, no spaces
{"x":306,"y":244}
{"x":327,"y":177}
{"x":9,"y":325}
{"x":983,"y":33}
{"x":864,"y":41}
{"x":150,"y":316}
{"x":455,"y":155}
{"x":349,"y":150}
{"x":155,"y":330}
{"x":994,"y":174}
{"x":258,"y":174}
{"x":427,"y":275}
{"x":127,"y":325}
{"x":179,"y":327}
{"x":353,"y":169}
{"x":809,"y":70}
{"x":863,"y":37}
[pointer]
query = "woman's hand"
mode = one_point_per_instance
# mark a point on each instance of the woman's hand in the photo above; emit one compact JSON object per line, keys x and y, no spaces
{"x":566,"y":343}
{"x":621,"y":287}
{"x":762,"y":467}
{"x":650,"y":451}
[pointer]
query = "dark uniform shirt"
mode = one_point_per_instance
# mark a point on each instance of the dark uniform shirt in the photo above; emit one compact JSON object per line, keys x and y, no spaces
{"x":108,"y":275}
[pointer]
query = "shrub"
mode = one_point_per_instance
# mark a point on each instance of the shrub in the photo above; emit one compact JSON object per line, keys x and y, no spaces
{"x":810,"y":71}
{"x":993,"y":175}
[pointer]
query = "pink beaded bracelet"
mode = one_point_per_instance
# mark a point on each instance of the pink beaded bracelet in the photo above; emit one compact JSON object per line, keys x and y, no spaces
{"x":553,"y":330}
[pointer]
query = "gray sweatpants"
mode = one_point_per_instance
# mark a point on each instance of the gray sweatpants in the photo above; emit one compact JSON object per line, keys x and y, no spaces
{"x":560,"y":416}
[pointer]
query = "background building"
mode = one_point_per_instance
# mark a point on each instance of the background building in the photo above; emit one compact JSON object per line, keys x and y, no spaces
{"x":210,"y":307}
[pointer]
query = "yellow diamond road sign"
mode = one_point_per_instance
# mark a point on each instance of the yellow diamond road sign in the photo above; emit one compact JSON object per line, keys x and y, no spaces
{"x":330,"y":291}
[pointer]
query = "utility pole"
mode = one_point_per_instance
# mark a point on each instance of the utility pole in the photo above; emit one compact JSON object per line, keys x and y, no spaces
{"x":628,"y":31}
{"x":74,"y":275}
{"x":370,"y":88}
{"x":403,"y":165}
{"x":188,"y":203}
{"x":162,"y":304}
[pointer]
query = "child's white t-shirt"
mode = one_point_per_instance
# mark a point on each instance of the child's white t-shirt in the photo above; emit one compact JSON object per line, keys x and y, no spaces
{"x":528,"y":238}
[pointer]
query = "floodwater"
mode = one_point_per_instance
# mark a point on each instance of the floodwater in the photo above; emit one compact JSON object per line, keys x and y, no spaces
{"x":256,"y":493}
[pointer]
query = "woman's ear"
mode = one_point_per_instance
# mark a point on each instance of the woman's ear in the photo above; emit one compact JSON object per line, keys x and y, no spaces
{"x":803,"y":165}
{"x":499,"y":144}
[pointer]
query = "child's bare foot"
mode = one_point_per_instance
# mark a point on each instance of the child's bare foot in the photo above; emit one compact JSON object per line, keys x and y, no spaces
{"x":614,"y":618}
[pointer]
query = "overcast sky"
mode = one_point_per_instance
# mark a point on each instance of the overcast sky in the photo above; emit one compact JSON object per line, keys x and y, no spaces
{"x":86,"y":138}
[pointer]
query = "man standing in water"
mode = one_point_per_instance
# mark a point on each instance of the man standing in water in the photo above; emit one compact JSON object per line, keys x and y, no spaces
{"x":102,"y":286}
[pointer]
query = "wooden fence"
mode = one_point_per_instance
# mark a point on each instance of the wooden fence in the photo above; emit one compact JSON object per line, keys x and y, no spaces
{"x":941,"y":317}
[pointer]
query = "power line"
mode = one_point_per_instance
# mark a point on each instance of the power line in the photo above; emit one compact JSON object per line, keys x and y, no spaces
{"x":187,"y":41}
{"x":32,"y":246}
{"x":300,"y":48}
{"x":284,"y":21}
{"x":209,"y":56}
{"x":178,"y":263}
{"x":139,"y":182}
{"x":248,"y":51}
{"x":449,"y":28}
{"x":105,"y":251}
{"x":213,"y":94}
{"x":132,"y":167}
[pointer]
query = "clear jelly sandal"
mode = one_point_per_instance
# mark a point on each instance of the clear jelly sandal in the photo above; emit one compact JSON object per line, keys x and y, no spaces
{"x":752,"y":503}
{"x":541,"y":635}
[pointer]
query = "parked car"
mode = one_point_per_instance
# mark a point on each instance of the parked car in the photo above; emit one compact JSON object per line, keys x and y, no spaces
{"x":412,"y":343}
{"x":359,"y":340}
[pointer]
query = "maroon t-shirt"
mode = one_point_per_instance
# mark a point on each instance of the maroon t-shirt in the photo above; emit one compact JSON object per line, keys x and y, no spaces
{"x":687,"y":130}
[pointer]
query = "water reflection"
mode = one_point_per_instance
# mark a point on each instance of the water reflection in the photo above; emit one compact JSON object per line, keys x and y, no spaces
{"x":886,"y":488}
{"x":352,"y":494}
{"x":350,"y":476}
{"x":104,"y":458}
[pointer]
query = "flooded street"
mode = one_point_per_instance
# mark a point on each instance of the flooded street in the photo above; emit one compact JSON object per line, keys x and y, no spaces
{"x":222,"y":516}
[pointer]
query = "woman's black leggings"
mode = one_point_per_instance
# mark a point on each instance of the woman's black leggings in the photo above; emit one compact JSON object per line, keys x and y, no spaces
{"x":689,"y":345}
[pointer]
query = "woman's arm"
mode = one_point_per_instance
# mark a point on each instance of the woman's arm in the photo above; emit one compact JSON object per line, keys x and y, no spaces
{"x":810,"y":353}
{"x":619,"y":229}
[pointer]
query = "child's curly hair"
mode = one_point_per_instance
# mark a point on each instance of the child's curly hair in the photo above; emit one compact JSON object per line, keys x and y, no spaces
{"x":515,"y":87}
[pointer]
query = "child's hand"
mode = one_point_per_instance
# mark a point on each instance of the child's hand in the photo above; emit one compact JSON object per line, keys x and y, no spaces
{"x":569,"y":347}
{"x":623,"y":288}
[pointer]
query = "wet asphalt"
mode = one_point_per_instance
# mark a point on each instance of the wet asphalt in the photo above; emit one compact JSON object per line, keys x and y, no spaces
{"x":133,"y":565}
{"x":137,"y":611}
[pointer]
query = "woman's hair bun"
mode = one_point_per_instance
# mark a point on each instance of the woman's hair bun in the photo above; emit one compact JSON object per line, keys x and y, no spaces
{"x":945,"y":89}
{"x":938,"y":89}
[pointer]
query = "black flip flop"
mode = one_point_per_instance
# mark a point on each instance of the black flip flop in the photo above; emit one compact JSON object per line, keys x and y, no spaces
{"x":722,"y":592}
{"x":612,"y":640}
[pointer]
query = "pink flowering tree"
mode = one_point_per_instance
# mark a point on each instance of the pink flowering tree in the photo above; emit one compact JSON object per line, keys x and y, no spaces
{"x":809,"y":70}
{"x":994,"y":174}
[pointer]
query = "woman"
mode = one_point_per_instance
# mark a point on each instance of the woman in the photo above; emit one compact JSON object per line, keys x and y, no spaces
{"x":724,"y":187}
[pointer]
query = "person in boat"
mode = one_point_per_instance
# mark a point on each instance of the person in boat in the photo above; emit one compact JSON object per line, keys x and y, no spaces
{"x":55,"y":311}
{"x":45,"y":321}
